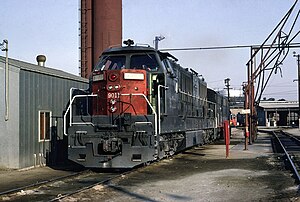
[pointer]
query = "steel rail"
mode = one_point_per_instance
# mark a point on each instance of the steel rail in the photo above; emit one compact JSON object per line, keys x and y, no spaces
{"x":40,"y":183}
{"x":60,"y":197}
{"x":288,"y":156}
{"x":52,"y":196}
{"x":101,"y":182}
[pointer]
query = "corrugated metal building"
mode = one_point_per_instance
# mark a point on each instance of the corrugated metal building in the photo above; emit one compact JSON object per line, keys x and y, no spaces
{"x":37,"y":97}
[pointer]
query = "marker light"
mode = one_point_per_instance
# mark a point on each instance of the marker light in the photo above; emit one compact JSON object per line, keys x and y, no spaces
{"x":113,"y":77}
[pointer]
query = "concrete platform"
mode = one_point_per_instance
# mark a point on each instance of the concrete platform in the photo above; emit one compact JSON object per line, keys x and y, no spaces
{"x":293,"y":131}
{"x":199,"y":174}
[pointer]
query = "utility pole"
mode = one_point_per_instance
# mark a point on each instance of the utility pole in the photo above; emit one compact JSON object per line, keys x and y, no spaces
{"x":245,"y":84}
{"x":298,"y":64}
{"x":227,"y":84}
{"x":4,"y":47}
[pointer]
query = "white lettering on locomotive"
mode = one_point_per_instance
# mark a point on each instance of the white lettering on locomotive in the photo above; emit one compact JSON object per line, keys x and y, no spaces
{"x":113,"y":95}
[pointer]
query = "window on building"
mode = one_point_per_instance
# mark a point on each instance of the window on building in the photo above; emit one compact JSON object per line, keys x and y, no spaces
{"x":44,"y":125}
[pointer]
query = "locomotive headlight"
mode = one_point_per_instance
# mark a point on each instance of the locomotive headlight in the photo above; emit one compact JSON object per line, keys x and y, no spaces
{"x":117,"y":87}
{"x":133,"y":76}
{"x":110,"y":87}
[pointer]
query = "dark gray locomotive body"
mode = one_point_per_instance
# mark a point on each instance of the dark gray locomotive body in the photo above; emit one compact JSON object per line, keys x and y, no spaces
{"x":141,"y":106}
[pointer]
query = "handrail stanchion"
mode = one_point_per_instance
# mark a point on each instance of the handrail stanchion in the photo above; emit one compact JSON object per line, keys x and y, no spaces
{"x":69,"y":109}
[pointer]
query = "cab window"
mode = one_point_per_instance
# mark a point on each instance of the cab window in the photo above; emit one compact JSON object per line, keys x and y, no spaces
{"x":111,"y":63}
{"x":169,"y":67}
{"x":147,"y":62}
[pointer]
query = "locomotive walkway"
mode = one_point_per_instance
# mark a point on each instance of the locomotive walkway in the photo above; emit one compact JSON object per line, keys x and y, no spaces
{"x":199,"y":174}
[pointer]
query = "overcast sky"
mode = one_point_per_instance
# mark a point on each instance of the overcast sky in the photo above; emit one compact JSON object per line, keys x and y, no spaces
{"x":50,"y":27}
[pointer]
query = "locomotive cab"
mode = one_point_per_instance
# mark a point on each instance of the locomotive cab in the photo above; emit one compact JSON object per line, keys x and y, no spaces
{"x":124,"y":79}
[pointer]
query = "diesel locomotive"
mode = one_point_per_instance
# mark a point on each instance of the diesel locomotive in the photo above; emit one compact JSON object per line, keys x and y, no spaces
{"x":141,"y":106}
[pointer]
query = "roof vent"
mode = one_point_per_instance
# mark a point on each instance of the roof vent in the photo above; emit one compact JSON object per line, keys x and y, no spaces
{"x":41,"y":59}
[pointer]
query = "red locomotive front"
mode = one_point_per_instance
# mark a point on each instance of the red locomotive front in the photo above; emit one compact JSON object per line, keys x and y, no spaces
{"x":119,"y":91}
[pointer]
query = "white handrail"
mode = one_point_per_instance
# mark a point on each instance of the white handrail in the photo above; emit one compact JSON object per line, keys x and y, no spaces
{"x":71,"y":93}
{"x":155,"y":120}
{"x":155,"y":114}
{"x":94,"y":95}
{"x":158,"y":99}
{"x":69,"y":107}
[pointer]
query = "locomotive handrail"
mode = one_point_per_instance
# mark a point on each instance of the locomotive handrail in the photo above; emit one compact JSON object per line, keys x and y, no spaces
{"x":155,"y":119}
{"x":158,"y":95}
{"x":68,"y":109}
{"x":71,"y":93}
{"x":190,"y":95}
{"x":216,"y":118}
{"x":152,"y":108}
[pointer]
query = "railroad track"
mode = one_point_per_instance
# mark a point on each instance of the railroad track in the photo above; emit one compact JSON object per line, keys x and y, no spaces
{"x":59,"y":188}
{"x":290,"y":146}
{"x":39,"y":183}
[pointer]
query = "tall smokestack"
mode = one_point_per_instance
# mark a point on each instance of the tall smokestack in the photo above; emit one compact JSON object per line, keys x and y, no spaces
{"x":101,"y":27}
{"x":41,"y":59}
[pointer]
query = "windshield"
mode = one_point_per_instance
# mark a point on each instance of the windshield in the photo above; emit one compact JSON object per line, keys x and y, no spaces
{"x":111,"y":62}
{"x":114,"y":62}
{"x":147,"y":62}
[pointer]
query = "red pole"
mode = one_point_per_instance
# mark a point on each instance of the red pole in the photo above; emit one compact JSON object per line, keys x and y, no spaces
{"x":227,"y":137}
{"x":246,"y":117}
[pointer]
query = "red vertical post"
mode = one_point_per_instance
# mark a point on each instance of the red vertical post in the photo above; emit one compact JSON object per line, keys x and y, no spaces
{"x":227,"y":137}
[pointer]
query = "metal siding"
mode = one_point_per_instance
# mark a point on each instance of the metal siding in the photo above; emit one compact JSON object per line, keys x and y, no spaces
{"x":31,"y":120}
{"x":29,"y":147}
{"x":29,"y":92}
{"x":22,"y":115}
{"x":40,"y":92}
{"x":13,"y":129}
{"x":26,"y":116}
{"x":9,"y":152}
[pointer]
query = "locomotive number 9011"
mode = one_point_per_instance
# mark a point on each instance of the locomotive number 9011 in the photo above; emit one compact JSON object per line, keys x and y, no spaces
{"x":113,"y":95}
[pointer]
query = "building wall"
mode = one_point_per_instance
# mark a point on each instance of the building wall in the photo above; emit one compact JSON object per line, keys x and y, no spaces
{"x":9,"y":130}
{"x":40,"y":92}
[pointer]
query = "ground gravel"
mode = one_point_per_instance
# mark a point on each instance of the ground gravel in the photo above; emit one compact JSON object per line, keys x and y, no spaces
{"x":204,"y":174}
